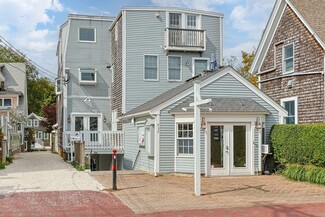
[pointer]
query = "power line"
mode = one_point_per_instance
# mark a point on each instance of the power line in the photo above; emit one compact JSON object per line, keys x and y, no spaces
{"x":41,"y":70}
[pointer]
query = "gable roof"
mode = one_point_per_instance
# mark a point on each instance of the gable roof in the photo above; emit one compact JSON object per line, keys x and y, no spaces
{"x":223,"y":104}
{"x":173,"y":95}
{"x":311,"y":14}
{"x":35,"y":116}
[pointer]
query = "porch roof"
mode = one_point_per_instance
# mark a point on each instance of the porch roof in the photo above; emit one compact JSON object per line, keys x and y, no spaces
{"x":233,"y":105}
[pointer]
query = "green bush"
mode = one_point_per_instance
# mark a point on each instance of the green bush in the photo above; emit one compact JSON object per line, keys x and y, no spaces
{"x":78,"y":166}
{"x":305,"y":173}
{"x":2,"y":165}
{"x":302,"y":144}
{"x":9,"y":159}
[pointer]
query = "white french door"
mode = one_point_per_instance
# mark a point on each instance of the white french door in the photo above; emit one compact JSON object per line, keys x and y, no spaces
{"x":230,"y":149}
{"x":88,"y":125}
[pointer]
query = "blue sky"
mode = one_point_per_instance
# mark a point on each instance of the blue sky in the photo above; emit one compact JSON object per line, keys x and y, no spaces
{"x":32,"y":26}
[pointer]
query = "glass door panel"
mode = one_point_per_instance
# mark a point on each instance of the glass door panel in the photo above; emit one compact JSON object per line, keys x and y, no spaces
{"x":217,"y":147}
{"x":239,"y":146}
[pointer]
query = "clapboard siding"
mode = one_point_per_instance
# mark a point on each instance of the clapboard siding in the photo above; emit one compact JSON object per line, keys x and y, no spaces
{"x":88,"y":55}
{"x":145,"y":34}
{"x":228,"y":86}
{"x":131,"y":145}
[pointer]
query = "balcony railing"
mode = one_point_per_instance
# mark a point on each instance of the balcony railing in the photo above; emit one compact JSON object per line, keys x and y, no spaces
{"x":185,"y":39}
{"x":95,"y":141}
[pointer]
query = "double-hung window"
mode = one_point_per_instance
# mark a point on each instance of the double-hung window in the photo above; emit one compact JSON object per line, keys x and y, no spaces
{"x":151,"y":67}
{"x":87,"y":76}
{"x":36,"y":123}
{"x":29,"y":123}
{"x":288,"y":58}
{"x":184,"y":138}
{"x":291,"y":105}
{"x":87,"y":34}
{"x":174,"y":68}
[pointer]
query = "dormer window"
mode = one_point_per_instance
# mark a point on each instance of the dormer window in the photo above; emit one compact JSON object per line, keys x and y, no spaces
{"x":36,"y":123}
{"x":288,"y":58}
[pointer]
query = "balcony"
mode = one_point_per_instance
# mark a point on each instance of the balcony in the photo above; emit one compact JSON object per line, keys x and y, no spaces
{"x":185,"y":40}
{"x":96,"y":142}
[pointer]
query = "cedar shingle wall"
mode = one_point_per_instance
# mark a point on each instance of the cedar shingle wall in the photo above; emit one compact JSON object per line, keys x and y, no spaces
{"x":308,"y":57}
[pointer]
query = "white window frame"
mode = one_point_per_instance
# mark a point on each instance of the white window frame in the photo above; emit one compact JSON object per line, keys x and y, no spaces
{"x":184,"y":19}
{"x":86,"y":41}
{"x":149,"y":139}
{"x":3,"y":102}
{"x":39,"y":133}
{"x":176,"y":139}
{"x":285,"y":59}
{"x":295,"y":99}
{"x":58,"y":86}
{"x":46,"y":135}
{"x":181,"y":68}
{"x":36,"y":123}
{"x":144,"y":67}
{"x":29,"y":123}
{"x":199,"y":58}
{"x":83,"y":82}
{"x":141,"y":135}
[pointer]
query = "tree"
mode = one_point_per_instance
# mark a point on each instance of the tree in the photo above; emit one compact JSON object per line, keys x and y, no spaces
{"x":49,"y":112}
{"x":40,"y":91}
{"x":243,"y":66}
{"x":247,"y":60}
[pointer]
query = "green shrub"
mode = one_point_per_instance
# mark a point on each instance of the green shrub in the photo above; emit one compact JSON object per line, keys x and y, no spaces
{"x":2,"y":165}
{"x":305,"y":173}
{"x":78,"y":166}
{"x":9,"y":159}
{"x":302,"y":144}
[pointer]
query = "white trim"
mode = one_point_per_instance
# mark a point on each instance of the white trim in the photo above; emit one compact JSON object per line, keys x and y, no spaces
{"x":176,"y":138}
{"x":295,"y":99}
{"x":265,"y":39}
{"x":199,"y":58}
{"x":285,"y":59}
{"x":34,"y":123}
{"x":84,"y":41}
{"x":221,"y":43}
{"x":157,"y":144}
{"x":181,"y":68}
{"x":173,"y":9}
{"x":312,"y":32}
{"x":227,"y":70}
{"x":89,"y":17}
{"x":89,"y":97}
{"x":86,"y":82}
{"x":144,"y":58}
{"x":123,"y":15}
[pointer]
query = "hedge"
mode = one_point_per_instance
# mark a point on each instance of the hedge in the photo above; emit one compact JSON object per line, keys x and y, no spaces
{"x":305,"y":173}
{"x":301,"y":143}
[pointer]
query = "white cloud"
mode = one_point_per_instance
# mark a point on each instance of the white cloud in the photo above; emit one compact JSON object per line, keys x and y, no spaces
{"x":21,"y":25}
{"x":194,"y":4}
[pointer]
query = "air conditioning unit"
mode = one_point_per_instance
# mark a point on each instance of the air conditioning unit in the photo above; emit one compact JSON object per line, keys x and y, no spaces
{"x":266,"y":149}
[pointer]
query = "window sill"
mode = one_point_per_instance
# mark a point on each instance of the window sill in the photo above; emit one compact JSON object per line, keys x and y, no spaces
{"x":150,"y":80}
{"x":185,"y":156}
{"x":90,"y":83}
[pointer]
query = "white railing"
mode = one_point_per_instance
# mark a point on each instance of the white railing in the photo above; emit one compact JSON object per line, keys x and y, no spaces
{"x":95,"y":140}
{"x":185,"y":39}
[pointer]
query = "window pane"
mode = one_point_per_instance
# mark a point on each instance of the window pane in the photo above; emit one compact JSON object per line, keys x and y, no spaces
{"x":289,"y":65}
{"x":88,"y":74}
{"x":290,"y":107}
{"x":93,"y":123}
{"x":7,"y":102}
{"x":174,"y":68}
{"x":288,"y":51}
{"x":175,"y":20}
{"x":191,"y":21}
{"x":199,"y":66}
{"x":290,"y":120}
{"x":239,"y":138}
{"x":150,"y":67}
{"x":79,"y":124}
{"x":86,"y":34}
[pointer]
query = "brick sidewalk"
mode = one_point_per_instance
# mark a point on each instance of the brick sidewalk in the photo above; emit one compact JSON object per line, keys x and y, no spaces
{"x":144,"y":193}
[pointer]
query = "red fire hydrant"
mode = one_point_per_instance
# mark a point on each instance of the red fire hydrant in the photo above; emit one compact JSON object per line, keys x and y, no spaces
{"x":114,"y":168}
